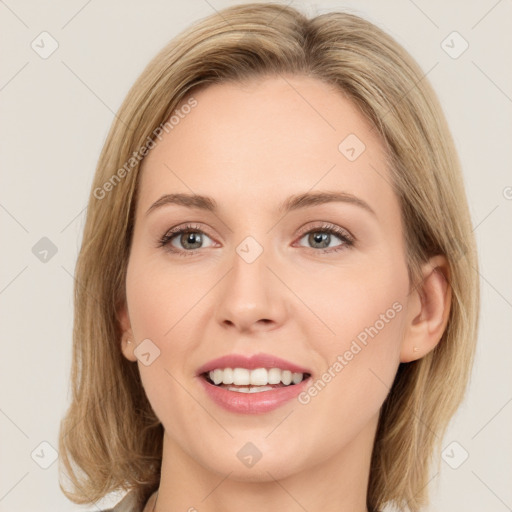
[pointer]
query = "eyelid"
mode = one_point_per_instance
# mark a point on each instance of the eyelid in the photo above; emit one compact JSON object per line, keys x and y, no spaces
{"x":338,"y":230}
{"x":187,"y":226}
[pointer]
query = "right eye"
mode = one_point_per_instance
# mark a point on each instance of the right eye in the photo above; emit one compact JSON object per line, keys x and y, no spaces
{"x":189,"y":237}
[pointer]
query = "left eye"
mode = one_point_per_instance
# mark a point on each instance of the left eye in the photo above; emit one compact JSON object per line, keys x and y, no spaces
{"x":321,"y":238}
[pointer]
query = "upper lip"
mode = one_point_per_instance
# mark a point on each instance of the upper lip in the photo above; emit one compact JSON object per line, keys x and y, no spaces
{"x":251,"y":362}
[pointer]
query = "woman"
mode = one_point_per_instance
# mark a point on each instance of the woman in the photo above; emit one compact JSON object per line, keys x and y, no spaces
{"x":275,"y":302}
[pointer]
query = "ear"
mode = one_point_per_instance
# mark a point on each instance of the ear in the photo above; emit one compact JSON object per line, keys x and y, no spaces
{"x":429,"y":308}
{"x":127,"y":338}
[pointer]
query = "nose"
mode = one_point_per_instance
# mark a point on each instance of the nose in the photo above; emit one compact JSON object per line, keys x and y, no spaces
{"x":251,"y":298}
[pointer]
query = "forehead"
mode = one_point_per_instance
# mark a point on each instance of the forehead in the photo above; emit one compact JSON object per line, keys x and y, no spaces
{"x":257,"y":142}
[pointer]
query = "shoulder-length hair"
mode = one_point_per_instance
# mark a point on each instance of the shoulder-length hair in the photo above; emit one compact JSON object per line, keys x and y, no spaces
{"x":110,"y":438}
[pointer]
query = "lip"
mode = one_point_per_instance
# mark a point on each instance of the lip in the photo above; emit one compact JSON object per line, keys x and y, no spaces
{"x":253,"y":403}
{"x":251,"y":362}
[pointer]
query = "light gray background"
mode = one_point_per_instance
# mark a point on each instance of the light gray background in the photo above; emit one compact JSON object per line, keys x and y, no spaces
{"x":55,"y":115}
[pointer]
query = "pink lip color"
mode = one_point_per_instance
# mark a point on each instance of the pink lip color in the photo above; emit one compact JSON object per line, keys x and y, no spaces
{"x":251,"y":362}
{"x":252,"y":403}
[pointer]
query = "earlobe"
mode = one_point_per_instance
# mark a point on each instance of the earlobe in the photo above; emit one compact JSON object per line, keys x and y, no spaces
{"x":127,"y":348}
{"x":429,"y":306}
{"x":127,"y":339}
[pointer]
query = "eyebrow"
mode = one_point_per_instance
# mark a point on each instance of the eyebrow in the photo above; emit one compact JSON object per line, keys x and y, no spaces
{"x":294,"y":202}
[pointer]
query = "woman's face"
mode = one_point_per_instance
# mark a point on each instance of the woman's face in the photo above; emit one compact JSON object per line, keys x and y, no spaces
{"x":321,"y":284}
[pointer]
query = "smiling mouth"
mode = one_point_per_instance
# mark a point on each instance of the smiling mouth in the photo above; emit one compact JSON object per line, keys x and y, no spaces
{"x":264,"y":381}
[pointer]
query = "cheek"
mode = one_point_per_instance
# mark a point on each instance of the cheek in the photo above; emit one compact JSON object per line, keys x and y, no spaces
{"x":360,"y":303}
{"x":158,"y":296}
{"x":365,"y":309}
{"x":156,"y":302}
{"x":164,"y":304}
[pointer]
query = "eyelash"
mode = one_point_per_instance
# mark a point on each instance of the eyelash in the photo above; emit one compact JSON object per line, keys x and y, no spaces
{"x":347,"y":239}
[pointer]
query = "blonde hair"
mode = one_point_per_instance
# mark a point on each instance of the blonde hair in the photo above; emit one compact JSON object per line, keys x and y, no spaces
{"x":110,"y":438}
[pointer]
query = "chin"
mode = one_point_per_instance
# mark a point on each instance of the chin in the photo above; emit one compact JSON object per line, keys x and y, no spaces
{"x":268,"y":466}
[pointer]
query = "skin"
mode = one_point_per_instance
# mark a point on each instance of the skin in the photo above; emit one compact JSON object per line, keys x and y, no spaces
{"x":250,"y":147}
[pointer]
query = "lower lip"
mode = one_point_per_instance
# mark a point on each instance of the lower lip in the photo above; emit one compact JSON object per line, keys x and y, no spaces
{"x":253,"y":403}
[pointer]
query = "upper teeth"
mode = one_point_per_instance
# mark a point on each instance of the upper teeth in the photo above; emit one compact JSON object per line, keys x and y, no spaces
{"x":257,"y":377}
